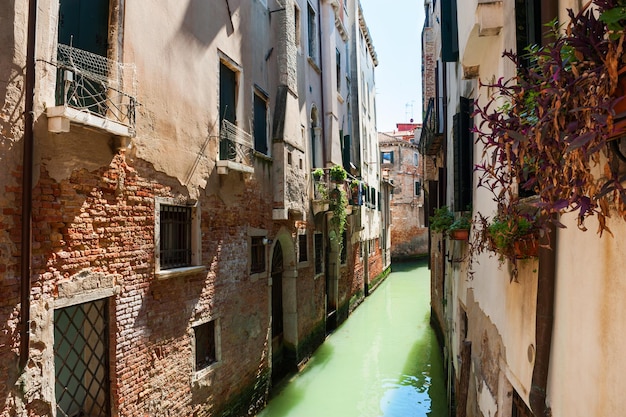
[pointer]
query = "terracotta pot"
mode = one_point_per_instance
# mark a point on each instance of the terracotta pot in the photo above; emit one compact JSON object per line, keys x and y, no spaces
{"x":526,"y":247}
{"x":459,"y":234}
{"x":619,"y":121}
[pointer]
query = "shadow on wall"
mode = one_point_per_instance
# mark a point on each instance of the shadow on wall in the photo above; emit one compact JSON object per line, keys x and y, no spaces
{"x":195,"y":25}
{"x":11,"y":99}
{"x":11,"y":96}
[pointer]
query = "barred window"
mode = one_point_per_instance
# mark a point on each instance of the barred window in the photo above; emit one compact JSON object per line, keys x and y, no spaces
{"x":175,"y":236}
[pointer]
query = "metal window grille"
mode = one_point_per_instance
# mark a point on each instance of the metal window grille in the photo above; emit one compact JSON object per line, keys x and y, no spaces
{"x":205,"y":345}
{"x":257,"y":255}
{"x":319,"y":247}
{"x":81,"y":360}
{"x":175,"y":235}
{"x":302,"y":248}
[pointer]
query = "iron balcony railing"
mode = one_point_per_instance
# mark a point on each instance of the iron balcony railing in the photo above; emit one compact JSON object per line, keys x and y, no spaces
{"x":94,"y":83}
{"x":235,"y":144}
{"x":432,"y":135}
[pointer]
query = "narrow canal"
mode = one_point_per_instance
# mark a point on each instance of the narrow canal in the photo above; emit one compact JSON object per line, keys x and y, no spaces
{"x":382,"y":362}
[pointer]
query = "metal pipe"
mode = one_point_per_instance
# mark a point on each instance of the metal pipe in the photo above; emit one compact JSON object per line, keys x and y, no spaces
{"x":27,"y":186}
{"x":544,"y":323}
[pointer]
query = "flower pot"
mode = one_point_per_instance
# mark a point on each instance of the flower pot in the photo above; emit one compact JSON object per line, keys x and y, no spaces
{"x":619,"y":121}
{"x":459,"y":234}
{"x":526,"y":247}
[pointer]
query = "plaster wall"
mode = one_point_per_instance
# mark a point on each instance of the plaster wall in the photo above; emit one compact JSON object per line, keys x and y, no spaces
{"x":587,"y":361}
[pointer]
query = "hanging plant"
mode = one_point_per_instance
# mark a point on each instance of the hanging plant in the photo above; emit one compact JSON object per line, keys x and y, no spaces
{"x":547,"y":129}
{"x":338,"y":205}
{"x":441,"y":221}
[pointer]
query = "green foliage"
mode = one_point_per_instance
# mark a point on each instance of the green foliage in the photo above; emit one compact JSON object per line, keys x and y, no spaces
{"x":441,"y":220}
{"x":338,"y":204}
{"x":338,"y":174}
{"x":462,"y":223}
{"x":505,"y":231}
{"x":318,"y":173}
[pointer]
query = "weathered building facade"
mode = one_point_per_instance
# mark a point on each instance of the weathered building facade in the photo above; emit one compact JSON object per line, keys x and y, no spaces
{"x":542,"y":338}
{"x":177,"y":263}
{"x":403,"y":165}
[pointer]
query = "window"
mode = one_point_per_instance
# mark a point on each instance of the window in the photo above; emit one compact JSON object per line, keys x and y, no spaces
{"x":415,"y":159}
{"x":175,"y":236}
{"x":205,"y":344}
{"x":418,"y":188}
{"x":312,"y":33}
{"x":257,"y":255}
{"x":519,"y":407}
{"x":338,"y":68}
{"x":260,"y":124}
{"x":463,"y":155}
{"x":228,"y":93}
{"x":303,"y":248}
{"x":319,"y":253}
{"x":528,"y":25}
{"x":81,"y":365}
{"x":449,"y":31}
{"x":387,"y":157}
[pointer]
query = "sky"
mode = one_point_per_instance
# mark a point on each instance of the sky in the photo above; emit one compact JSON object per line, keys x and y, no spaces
{"x":396,"y":30}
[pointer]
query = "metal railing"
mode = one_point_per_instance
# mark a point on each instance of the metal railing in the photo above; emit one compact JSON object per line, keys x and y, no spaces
{"x":87,"y":81}
{"x":235,"y":144}
{"x":431,"y":136}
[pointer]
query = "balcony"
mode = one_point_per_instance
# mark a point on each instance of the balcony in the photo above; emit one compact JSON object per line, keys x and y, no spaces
{"x":324,"y":193}
{"x":236,"y":150}
{"x":431,"y":138}
{"x":93,"y":91}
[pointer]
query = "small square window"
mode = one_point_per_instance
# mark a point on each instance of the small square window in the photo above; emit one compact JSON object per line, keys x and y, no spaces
{"x":387,"y":157}
{"x":302,"y":248}
{"x":257,"y":255}
{"x":205,"y":345}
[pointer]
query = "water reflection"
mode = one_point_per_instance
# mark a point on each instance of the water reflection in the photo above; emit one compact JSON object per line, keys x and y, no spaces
{"x":384,"y":362}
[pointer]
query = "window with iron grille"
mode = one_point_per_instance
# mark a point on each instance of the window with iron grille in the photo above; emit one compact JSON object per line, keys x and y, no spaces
{"x":319,"y":253}
{"x":205,"y":345}
{"x":303,"y":248}
{"x":175,"y":236}
{"x":81,"y":363}
{"x":257,"y":255}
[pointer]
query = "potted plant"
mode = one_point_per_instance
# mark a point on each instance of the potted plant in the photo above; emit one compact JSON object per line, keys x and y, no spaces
{"x":459,"y":229}
{"x":354,"y":192}
{"x":513,"y":237}
{"x":441,"y":221}
{"x":318,"y":173}
{"x":338,"y":174}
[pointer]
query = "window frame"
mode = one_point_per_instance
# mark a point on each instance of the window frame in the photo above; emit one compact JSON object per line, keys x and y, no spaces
{"x":195,"y":243}
{"x":312,"y":31}
{"x":217,"y":351}
{"x":303,"y":248}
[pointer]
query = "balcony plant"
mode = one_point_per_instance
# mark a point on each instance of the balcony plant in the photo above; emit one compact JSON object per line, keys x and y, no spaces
{"x":441,"y":221}
{"x":338,"y":205}
{"x":354,"y":192}
{"x":338,"y":174}
{"x":460,"y":228}
{"x":557,"y":121}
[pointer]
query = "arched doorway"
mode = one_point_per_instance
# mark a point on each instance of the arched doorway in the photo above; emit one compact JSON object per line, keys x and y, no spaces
{"x":279,"y":368}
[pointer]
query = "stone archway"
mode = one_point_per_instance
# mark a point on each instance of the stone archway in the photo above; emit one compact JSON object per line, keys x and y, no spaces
{"x":284,"y":305}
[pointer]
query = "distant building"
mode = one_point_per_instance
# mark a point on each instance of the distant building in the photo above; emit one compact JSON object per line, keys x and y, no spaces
{"x":402,"y":164}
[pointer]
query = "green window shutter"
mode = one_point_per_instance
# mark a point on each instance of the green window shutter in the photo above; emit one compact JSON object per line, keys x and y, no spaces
{"x":463,"y":156}
{"x":449,"y":31}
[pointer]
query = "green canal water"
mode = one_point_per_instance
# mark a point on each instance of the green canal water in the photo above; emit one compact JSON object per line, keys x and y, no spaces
{"x":384,"y":361}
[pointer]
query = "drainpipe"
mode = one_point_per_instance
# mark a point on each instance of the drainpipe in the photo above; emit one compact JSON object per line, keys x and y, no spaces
{"x":27,"y":186}
{"x":543,"y":323}
{"x":319,"y":42}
